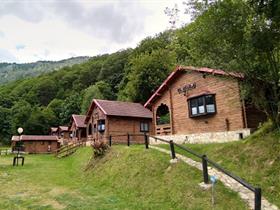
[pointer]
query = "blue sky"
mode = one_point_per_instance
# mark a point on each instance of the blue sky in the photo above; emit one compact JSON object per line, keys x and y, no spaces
{"x":34,"y":30}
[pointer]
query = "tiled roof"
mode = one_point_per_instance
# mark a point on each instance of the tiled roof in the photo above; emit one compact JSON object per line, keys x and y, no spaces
{"x":54,"y":129}
{"x":15,"y":138}
{"x":119,"y":108}
{"x":63,"y":128}
{"x":38,"y":138}
{"x":79,"y":120}
{"x":179,"y":69}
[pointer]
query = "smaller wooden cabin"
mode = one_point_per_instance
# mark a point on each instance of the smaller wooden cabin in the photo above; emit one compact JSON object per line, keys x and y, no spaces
{"x":117,"y":119}
{"x":36,"y":144}
{"x":54,"y":131}
{"x":63,"y":132}
{"x":78,"y":128}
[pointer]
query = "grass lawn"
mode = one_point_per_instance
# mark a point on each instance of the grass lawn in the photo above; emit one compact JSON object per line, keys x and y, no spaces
{"x":256,"y":159}
{"x":126,"y":178}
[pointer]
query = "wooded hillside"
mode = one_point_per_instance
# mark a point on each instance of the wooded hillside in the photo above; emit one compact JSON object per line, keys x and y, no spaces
{"x":232,"y":35}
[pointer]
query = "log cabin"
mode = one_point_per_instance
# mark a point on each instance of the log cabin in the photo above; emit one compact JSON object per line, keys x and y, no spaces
{"x":54,"y":131}
{"x":63,"y":132}
{"x":78,"y":128}
{"x":202,"y":105}
{"x":117,"y":119}
{"x":35,"y":144}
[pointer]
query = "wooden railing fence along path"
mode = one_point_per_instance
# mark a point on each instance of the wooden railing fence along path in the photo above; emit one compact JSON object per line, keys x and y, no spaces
{"x":204,"y":161}
{"x":69,"y":149}
{"x":5,"y":151}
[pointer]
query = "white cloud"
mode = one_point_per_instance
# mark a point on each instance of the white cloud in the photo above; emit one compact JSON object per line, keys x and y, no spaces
{"x":54,"y":30}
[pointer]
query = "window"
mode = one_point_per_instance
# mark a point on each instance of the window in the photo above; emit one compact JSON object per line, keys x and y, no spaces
{"x":144,"y":127}
{"x":101,"y":125}
{"x":202,"y":105}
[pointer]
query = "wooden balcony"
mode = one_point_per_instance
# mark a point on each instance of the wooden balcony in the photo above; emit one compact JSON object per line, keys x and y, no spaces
{"x":164,"y":129}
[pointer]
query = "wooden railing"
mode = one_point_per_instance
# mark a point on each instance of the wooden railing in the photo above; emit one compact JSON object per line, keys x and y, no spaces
{"x":68,"y":149}
{"x":164,"y":129}
{"x":5,"y":151}
{"x":205,"y":161}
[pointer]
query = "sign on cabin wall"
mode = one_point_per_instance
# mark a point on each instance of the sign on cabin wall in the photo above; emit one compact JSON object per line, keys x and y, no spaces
{"x":186,"y":88}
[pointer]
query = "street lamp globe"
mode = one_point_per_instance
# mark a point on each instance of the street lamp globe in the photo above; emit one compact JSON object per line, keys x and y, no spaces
{"x":20,"y":130}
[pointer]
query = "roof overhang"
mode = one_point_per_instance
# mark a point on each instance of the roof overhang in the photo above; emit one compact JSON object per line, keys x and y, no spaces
{"x":179,"y":69}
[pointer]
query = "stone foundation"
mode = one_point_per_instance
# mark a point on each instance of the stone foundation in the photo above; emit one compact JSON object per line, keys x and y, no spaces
{"x":204,"y":138}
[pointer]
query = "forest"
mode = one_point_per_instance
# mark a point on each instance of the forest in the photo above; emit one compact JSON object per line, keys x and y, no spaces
{"x":233,"y":35}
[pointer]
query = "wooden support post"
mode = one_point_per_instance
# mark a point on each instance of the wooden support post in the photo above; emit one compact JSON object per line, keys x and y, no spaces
{"x":128,"y":140}
{"x":172,"y":149}
{"x":146,"y":141}
{"x":205,"y":169}
{"x":110,"y":140}
{"x":258,"y":199}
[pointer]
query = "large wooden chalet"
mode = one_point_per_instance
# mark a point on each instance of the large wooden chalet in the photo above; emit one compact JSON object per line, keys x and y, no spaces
{"x":105,"y":118}
{"x":202,"y":105}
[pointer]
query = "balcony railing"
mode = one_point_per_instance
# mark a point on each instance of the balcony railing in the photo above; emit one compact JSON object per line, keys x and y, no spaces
{"x":164,"y":129}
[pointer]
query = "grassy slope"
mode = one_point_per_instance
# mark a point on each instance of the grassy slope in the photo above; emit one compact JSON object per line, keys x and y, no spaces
{"x":256,"y":159}
{"x":126,"y":178}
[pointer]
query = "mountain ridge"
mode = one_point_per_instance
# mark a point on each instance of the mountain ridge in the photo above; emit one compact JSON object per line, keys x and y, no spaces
{"x":14,"y":71}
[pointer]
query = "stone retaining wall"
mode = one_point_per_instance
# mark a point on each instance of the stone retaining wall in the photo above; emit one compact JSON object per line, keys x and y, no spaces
{"x":200,"y":138}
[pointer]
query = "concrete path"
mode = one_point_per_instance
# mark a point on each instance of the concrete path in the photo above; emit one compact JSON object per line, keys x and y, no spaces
{"x":247,"y":195}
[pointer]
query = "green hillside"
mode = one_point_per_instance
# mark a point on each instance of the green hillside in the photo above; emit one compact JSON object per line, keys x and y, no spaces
{"x":126,"y":178}
{"x":13,"y":71}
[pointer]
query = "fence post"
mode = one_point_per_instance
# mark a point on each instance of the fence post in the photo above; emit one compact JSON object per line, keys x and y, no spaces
{"x":128,"y":140}
{"x":258,"y":198}
{"x":172,"y":149}
{"x":110,"y":140}
{"x":146,"y":141}
{"x":205,"y":169}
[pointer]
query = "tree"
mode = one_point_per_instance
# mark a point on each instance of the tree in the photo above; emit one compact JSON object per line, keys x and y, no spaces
{"x":101,"y":90}
{"x":5,"y":125}
{"x":239,"y":36}
{"x":20,"y":114}
{"x":71,"y":105}
{"x":147,"y":71}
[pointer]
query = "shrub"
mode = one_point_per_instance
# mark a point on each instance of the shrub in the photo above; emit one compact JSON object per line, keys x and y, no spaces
{"x":99,"y":148}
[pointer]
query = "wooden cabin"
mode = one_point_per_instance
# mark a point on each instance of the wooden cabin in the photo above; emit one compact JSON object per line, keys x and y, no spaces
{"x":63,"y":132}
{"x":54,"y":131}
{"x":200,"y":105}
{"x":116,"y":118}
{"x":78,"y":128}
{"x":35,"y":144}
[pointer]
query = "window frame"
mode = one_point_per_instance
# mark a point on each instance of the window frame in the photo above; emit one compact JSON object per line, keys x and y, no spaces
{"x":203,"y":96}
{"x":148,"y":127}
{"x":100,"y":124}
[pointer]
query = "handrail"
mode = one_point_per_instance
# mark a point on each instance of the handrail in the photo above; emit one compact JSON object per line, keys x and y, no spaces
{"x":238,"y":179}
{"x":188,"y":150}
{"x":206,"y":160}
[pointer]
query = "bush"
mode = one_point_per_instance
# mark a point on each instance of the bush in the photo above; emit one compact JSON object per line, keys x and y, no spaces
{"x":99,"y":148}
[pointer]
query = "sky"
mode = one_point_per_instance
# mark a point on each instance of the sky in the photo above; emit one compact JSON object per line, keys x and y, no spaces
{"x":32,"y":30}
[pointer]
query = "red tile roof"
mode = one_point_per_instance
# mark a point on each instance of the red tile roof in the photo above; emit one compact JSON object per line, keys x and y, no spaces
{"x":54,"y":129}
{"x":179,"y":69}
{"x":15,"y":138}
{"x":79,"y":120}
{"x":119,"y":108}
{"x":63,"y":128}
{"x":38,"y":138}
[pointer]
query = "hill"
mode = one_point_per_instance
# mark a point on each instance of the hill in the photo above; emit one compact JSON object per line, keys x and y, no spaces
{"x":126,"y":178}
{"x":13,"y":71}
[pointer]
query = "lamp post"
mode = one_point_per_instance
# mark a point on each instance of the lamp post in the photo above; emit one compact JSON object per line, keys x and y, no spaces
{"x":20,"y":131}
